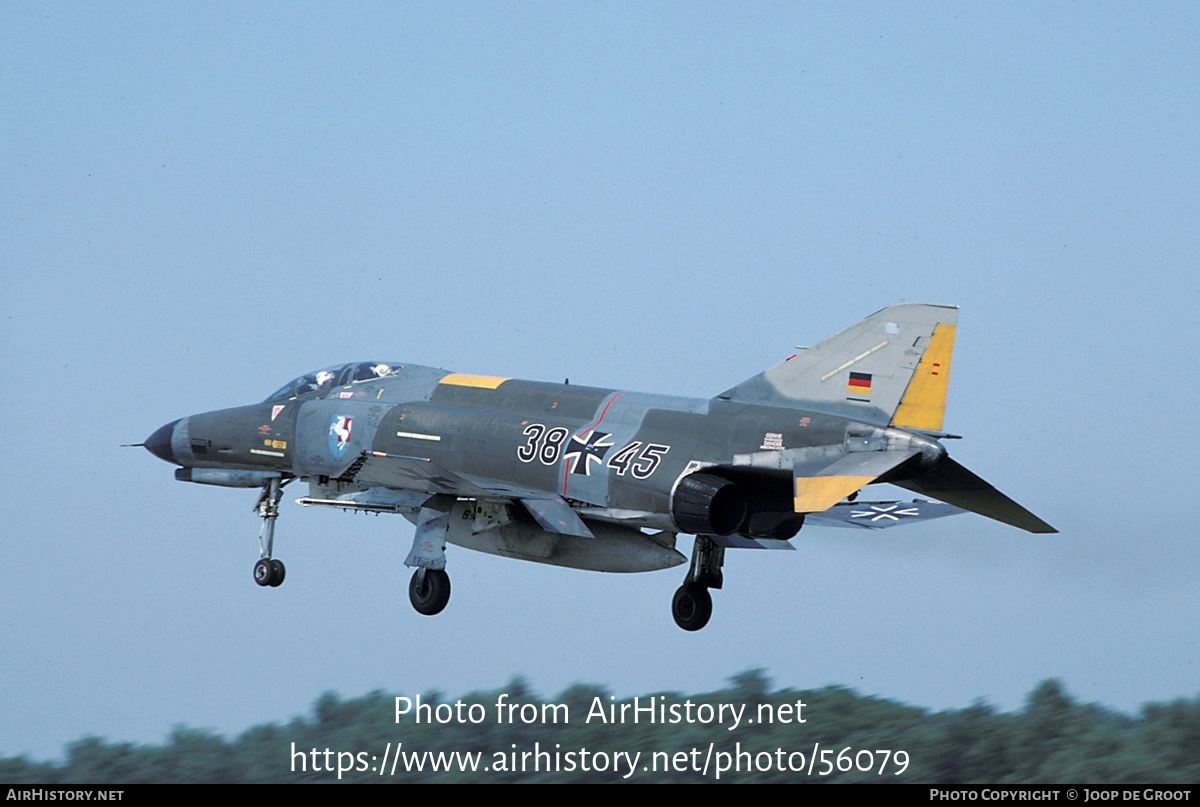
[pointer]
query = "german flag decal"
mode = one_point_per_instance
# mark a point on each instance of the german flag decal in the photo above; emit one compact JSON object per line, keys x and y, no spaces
{"x":860,"y":384}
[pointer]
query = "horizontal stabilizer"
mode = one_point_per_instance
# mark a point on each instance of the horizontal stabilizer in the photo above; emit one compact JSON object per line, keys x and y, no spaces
{"x":820,"y":484}
{"x":879,"y":515}
{"x":952,"y":483}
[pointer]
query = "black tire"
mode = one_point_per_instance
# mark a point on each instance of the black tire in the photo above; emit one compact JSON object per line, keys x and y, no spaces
{"x":430,"y":597}
{"x":278,"y":572}
{"x":263,"y":573}
{"x":692,"y":606}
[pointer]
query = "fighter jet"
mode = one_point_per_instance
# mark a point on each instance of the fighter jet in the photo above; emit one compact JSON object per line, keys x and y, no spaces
{"x":605,"y":479}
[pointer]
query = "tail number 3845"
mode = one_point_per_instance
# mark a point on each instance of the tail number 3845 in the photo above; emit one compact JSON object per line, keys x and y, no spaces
{"x":545,"y":445}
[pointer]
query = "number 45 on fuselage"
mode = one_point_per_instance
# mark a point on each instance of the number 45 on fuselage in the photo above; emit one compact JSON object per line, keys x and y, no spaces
{"x":606,"y":479}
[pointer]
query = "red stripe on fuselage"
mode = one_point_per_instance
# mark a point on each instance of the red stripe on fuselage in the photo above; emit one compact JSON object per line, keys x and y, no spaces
{"x":585,"y":430}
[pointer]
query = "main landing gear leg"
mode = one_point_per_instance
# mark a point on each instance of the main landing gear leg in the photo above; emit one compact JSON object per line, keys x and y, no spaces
{"x":429,"y":589}
{"x":268,"y":571}
{"x":692,"y":605}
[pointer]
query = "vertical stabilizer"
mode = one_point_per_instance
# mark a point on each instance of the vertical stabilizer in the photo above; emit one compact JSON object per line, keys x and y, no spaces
{"x":893,"y":368}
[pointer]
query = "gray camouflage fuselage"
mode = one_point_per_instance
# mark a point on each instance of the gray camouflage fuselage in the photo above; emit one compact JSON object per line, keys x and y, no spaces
{"x":605,"y":479}
{"x":614,"y":455}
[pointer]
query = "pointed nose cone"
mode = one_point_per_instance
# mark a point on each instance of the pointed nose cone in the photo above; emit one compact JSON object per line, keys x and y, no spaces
{"x":159,"y":443}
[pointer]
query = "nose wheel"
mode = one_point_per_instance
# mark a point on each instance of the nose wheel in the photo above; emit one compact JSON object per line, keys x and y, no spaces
{"x":269,"y":572}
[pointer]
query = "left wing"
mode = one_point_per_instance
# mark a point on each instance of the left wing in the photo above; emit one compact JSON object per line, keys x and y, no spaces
{"x":396,"y":471}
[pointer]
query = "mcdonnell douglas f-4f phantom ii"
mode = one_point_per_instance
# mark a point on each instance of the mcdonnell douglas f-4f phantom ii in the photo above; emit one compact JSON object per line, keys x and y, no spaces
{"x":605,"y":479}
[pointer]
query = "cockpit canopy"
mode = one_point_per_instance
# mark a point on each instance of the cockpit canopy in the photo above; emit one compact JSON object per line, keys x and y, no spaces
{"x":337,"y":376}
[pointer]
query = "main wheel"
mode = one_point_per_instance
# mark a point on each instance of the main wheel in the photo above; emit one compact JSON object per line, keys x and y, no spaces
{"x":264,"y":573}
{"x":277,"y":573}
{"x":692,"y":606}
{"x":429,"y":597}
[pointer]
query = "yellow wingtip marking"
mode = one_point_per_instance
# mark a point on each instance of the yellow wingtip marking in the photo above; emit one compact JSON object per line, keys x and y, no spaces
{"x":816,"y":494}
{"x":924,"y":403}
{"x":469,"y":380}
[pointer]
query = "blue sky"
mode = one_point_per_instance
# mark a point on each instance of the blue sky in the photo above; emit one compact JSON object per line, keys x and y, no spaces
{"x":205,"y":200}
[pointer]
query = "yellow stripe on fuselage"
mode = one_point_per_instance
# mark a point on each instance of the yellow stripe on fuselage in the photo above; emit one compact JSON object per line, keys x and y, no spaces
{"x":468,"y":380}
{"x":816,"y":494}
{"x":924,"y":403}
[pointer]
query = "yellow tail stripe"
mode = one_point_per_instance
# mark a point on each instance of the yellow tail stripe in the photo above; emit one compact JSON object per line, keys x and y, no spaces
{"x":924,"y":403}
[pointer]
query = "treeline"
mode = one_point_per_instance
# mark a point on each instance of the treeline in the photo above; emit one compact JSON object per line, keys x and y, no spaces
{"x":1051,"y":740}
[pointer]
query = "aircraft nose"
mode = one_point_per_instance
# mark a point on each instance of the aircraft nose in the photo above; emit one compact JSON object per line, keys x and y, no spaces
{"x":159,"y":443}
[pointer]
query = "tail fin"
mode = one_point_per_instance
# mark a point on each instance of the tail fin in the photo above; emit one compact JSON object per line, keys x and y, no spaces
{"x":891,"y":369}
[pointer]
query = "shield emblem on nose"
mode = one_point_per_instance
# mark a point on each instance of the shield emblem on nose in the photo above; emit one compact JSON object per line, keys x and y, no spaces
{"x":340,"y":428}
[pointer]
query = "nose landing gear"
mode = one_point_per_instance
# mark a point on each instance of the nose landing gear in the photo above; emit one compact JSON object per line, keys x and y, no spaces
{"x":268,"y":571}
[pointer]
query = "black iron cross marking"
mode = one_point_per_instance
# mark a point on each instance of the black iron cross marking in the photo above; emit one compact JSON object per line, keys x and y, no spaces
{"x":585,"y":448}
